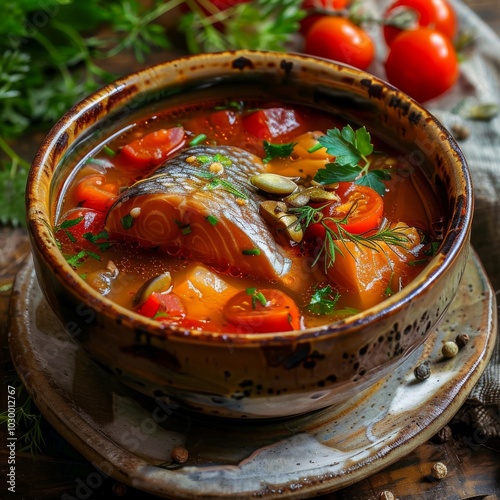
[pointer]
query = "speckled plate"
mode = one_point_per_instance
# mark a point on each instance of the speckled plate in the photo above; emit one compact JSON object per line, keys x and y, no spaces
{"x":131,"y":438}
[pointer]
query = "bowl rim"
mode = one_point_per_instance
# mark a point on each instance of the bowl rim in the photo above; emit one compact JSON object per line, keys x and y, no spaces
{"x":39,"y":223}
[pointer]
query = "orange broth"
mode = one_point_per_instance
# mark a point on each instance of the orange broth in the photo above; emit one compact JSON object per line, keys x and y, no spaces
{"x":118,"y":269}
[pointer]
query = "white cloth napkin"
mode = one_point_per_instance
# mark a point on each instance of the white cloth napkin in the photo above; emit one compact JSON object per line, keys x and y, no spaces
{"x":479,"y":83}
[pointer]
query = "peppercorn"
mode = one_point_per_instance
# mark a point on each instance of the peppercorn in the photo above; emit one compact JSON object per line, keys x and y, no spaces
{"x":443,"y":435}
{"x":450,"y":349}
{"x":462,"y":340}
{"x":422,"y":371}
{"x":179,"y":454}
{"x":439,"y":470}
{"x":460,"y":131}
{"x":386,"y":495}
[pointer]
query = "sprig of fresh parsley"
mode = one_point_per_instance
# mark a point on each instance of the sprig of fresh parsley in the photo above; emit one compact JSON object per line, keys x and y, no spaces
{"x":351,"y":149}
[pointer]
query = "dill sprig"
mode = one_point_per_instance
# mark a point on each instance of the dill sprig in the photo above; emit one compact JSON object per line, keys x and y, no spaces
{"x":336,"y":234}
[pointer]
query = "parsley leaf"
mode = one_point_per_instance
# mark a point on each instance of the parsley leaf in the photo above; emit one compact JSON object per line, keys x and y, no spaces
{"x":277,"y":150}
{"x":351,"y":149}
{"x":323,"y":300}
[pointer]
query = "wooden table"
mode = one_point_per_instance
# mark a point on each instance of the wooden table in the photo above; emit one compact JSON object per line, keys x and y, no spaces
{"x":58,"y":471}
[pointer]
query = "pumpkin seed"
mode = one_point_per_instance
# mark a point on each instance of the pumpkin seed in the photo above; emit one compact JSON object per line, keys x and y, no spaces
{"x":276,"y":215}
{"x":273,"y":183}
{"x":160,"y":283}
{"x":313,"y":193}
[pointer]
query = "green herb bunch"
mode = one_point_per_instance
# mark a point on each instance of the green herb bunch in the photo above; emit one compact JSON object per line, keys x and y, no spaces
{"x":53,"y":53}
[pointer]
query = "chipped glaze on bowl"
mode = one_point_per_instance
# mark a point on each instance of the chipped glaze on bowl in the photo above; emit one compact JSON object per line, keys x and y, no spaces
{"x":252,"y":375}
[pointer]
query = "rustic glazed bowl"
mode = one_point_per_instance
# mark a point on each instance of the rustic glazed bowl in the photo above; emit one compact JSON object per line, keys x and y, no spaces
{"x":252,"y":375}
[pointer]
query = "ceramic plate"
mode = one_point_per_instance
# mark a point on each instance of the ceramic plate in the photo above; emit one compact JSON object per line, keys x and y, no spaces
{"x":131,"y":438}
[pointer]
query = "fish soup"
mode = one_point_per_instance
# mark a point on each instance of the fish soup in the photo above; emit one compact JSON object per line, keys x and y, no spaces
{"x":248,"y":216}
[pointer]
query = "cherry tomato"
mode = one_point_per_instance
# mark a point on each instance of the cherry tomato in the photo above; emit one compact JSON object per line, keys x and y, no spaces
{"x":434,"y":14}
{"x":153,"y":148}
{"x":337,"y":38}
{"x":422,"y":63}
{"x":279,"y":314}
{"x":268,"y":124}
{"x":324,"y":6}
{"x":362,"y":206}
{"x":92,"y":191}
{"x":77,"y":222}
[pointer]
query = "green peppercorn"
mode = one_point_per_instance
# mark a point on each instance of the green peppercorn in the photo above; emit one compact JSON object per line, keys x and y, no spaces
{"x":449,"y":349}
{"x":422,"y":371}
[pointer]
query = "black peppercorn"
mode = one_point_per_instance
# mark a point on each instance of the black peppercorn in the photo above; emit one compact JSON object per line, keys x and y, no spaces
{"x":422,"y":371}
{"x":462,"y":340}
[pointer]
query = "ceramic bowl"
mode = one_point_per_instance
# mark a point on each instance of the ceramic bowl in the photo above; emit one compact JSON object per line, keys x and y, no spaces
{"x":252,"y":375}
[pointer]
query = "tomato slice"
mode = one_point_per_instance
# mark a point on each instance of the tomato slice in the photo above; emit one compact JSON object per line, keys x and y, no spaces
{"x":92,"y":191}
{"x":77,"y":222}
{"x":361,"y":207}
{"x":271,"y":311}
{"x":268,"y":124}
{"x":162,"y":305}
{"x":153,"y":148}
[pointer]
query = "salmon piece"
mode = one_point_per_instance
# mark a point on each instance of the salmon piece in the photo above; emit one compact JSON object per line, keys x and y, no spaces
{"x":368,"y":273}
{"x":199,"y":204}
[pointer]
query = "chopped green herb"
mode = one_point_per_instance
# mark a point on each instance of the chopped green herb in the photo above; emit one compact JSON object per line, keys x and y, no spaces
{"x":6,"y":288}
{"x":127,"y":221}
{"x":77,"y":260}
{"x":197,"y":140}
{"x":94,"y":238}
{"x":432,"y":249}
{"x":109,"y":151}
{"x":218,"y":182}
{"x":83,"y":276}
{"x":185,"y":229}
{"x":203,"y":159}
{"x":323,"y":300}
{"x":212,"y":219}
{"x":250,"y":251}
{"x":389,"y":291}
{"x":256,"y":297}
{"x":161,"y":314}
{"x":350,"y":148}
{"x":277,"y":150}
{"x":315,"y":148}
{"x":93,"y":255}
{"x":68,"y":223}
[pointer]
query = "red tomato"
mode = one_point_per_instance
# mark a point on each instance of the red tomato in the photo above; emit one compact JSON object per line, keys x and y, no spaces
{"x":337,"y":38}
{"x":434,"y":14}
{"x":279,"y":314}
{"x":323,"y":6}
{"x":361,"y":205}
{"x":268,"y":124}
{"x":163,"y":305}
{"x":225,"y":121}
{"x":92,"y":191}
{"x":77,"y":222}
{"x":422,"y":63}
{"x":153,"y":148}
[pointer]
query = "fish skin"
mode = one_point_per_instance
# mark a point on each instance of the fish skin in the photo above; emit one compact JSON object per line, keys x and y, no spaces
{"x":176,"y":199}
